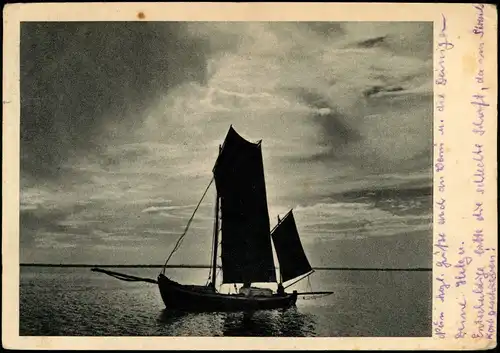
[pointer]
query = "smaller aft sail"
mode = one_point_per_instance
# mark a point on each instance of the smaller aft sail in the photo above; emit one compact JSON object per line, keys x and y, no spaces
{"x":291,"y":257}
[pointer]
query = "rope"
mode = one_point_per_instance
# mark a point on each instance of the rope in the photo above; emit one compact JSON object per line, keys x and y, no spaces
{"x":315,"y":296}
{"x":124,"y":276}
{"x":179,"y":241}
{"x":216,"y":274}
{"x":299,"y":279}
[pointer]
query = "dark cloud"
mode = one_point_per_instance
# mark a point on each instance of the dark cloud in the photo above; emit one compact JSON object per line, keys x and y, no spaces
{"x":374,"y":90}
{"x":335,"y":131}
{"x":370,"y":43}
{"x":35,"y":221}
{"x":79,"y":77}
{"x":384,"y":193}
{"x":327,"y":29}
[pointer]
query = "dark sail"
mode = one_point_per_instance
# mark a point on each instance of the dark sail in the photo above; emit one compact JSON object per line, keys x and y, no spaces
{"x":291,"y":257}
{"x":246,"y":242}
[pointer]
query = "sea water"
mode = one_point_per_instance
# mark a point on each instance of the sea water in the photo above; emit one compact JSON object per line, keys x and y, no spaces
{"x":78,"y":302}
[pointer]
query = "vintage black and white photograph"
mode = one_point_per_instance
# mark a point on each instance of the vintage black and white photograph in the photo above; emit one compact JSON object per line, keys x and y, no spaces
{"x":226,"y":179}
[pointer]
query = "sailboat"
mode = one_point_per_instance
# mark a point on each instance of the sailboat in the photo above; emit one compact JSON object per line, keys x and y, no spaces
{"x":241,"y":219}
{"x":242,"y":226}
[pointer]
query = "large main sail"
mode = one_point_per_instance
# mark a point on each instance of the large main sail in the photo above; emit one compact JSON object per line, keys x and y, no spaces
{"x":246,"y":242}
{"x":291,"y":257}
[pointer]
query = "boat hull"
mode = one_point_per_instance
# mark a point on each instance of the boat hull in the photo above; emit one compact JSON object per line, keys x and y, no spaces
{"x":198,"y":298}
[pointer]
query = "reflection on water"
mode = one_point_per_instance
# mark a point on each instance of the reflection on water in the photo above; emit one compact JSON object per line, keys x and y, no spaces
{"x":296,"y":324}
{"x":178,"y":323}
{"x":283,"y":322}
{"x":168,"y":317}
{"x":78,"y":302}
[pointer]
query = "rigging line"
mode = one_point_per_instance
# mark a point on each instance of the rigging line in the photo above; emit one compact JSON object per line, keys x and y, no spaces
{"x":300,"y":279}
{"x":179,"y":241}
{"x":281,"y":220}
{"x":211,"y":257}
{"x":276,"y":226}
{"x":216,"y":274}
{"x":210,"y":272}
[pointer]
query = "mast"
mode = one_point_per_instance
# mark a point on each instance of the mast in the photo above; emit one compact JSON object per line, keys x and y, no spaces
{"x":216,"y":241}
{"x":281,"y":276}
{"x":216,"y":234}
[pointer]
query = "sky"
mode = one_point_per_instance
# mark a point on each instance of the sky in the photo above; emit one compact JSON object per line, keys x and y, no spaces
{"x":121,"y":122}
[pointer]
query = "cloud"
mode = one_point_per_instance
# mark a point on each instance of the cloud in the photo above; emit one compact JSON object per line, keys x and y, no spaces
{"x":157,"y":209}
{"x":82,"y":82}
{"x":341,"y":220}
{"x":121,"y":124}
{"x":367,"y":106}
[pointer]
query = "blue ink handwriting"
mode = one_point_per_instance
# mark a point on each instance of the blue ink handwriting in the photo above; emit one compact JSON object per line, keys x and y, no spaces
{"x":478,"y":241}
{"x":463,"y":318}
{"x":479,"y":25}
{"x":439,"y":326}
{"x":443,"y":248}
{"x":478,"y":123}
{"x":478,"y":212}
{"x":443,"y":286}
{"x":479,"y":174}
{"x":442,"y":207}
{"x":440,"y":159}
{"x":443,"y":46}
{"x":463,"y":262}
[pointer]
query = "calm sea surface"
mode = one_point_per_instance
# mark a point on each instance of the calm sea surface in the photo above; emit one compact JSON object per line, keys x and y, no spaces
{"x":78,"y":302}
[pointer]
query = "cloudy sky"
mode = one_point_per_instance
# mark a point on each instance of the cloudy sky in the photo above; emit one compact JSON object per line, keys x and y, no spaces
{"x":121,"y":122}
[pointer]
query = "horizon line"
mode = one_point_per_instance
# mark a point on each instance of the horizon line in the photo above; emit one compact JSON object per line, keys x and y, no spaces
{"x":333,"y":268}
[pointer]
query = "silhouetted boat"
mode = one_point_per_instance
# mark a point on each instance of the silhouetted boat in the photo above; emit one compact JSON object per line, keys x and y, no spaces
{"x":246,"y":250}
{"x":241,"y":218}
